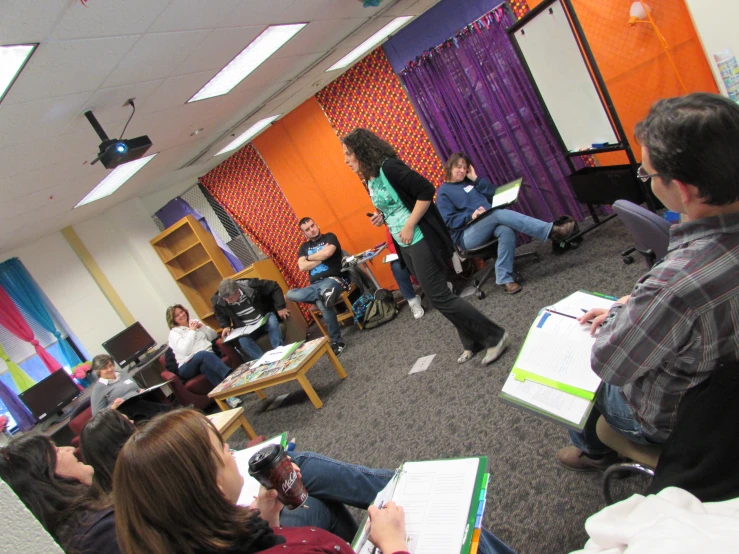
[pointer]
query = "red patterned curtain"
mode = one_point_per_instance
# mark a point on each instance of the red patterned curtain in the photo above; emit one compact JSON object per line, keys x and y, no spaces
{"x":244,"y":186}
{"x":369,"y":95}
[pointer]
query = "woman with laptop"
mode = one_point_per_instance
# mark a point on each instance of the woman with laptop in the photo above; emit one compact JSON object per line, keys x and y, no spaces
{"x":465,"y":196}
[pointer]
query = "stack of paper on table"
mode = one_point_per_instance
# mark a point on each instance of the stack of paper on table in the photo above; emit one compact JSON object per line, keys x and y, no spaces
{"x":443,"y":501}
{"x":277,"y":354}
{"x":552,"y":375}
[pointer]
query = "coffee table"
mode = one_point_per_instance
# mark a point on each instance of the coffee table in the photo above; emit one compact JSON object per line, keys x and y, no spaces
{"x":227,"y":422}
{"x":293,"y":368}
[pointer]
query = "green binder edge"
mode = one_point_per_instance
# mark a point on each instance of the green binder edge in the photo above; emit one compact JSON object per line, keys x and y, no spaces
{"x":523,"y":375}
{"x":480,"y":488}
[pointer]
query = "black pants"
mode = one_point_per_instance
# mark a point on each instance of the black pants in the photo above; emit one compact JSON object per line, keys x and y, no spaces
{"x":139,"y":410}
{"x":475,"y":330}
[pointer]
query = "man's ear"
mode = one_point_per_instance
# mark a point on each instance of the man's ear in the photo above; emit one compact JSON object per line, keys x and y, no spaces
{"x":688,"y":193}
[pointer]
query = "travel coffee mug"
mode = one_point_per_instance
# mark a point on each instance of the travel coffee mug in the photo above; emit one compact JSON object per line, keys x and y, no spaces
{"x":273,"y":469}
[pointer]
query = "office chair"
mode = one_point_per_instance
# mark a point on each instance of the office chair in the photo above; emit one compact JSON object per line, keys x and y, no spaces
{"x":486,"y":252}
{"x":651,"y":233}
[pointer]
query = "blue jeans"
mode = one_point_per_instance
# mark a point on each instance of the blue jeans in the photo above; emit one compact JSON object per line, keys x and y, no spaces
{"x":207,"y":363}
{"x":403,"y":278}
{"x":250,"y":346}
{"x":312,"y":295}
{"x":611,"y":404}
{"x":333,"y":482}
{"x":504,"y":224}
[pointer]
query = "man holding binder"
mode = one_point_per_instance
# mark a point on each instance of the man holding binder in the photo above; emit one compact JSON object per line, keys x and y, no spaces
{"x":680,"y":320}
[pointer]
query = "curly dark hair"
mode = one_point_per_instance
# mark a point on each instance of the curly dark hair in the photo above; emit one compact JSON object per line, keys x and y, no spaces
{"x":371,"y":151}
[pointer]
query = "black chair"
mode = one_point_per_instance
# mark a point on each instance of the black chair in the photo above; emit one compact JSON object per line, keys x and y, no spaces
{"x":651,"y":233}
{"x":487,"y":252}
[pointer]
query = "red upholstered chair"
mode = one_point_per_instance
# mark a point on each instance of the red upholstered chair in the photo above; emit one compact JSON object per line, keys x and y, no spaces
{"x":81,"y":415}
{"x":195,"y":391}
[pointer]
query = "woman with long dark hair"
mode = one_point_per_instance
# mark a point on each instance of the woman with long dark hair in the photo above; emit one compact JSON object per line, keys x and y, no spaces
{"x":404,"y":202}
{"x":55,"y":487}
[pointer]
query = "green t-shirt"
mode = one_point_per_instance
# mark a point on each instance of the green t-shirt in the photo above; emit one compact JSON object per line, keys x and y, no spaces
{"x":386,"y":200}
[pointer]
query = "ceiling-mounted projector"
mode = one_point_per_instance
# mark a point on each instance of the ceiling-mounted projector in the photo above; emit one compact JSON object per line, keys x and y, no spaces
{"x":114,"y":152}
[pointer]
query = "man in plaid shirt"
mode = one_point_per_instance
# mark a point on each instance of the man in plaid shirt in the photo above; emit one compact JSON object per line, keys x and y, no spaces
{"x":681,"y":318}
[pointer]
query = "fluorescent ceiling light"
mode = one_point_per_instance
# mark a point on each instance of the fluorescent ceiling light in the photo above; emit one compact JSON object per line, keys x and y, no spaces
{"x":249,"y":133}
{"x":251,"y":57}
{"x":371,"y":42}
{"x":12,"y":60}
{"x":115,"y":180}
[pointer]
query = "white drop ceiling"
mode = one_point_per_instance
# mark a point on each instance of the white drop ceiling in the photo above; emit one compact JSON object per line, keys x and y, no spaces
{"x":97,"y":54}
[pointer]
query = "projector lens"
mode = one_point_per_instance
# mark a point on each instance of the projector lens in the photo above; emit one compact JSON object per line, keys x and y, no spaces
{"x":121,"y":148}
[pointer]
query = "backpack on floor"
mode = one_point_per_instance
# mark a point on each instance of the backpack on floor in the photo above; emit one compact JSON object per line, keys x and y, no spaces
{"x":360,"y":306}
{"x":380,"y":310}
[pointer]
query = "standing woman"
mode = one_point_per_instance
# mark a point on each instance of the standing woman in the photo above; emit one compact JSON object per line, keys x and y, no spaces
{"x":404,"y":200}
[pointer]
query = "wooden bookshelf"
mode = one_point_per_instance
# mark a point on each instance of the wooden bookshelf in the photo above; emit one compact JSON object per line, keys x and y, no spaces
{"x":196,"y":263}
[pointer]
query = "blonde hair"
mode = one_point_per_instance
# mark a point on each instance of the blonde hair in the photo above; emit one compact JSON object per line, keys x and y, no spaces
{"x":170,"y":315}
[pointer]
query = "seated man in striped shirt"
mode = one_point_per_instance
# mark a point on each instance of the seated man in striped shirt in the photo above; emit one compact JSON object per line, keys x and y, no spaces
{"x":680,"y":320}
{"x":243,"y":303}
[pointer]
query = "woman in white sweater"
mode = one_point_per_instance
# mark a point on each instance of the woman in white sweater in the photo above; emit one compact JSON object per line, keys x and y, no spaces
{"x":190,"y":340}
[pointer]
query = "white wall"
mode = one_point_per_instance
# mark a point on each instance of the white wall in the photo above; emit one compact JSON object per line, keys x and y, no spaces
{"x":119,"y":242}
{"x":717,"y":23}
{"x":20,"y":531}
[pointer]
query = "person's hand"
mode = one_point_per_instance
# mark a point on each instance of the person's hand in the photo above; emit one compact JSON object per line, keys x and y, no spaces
{"x":406,"y":234}
{"x":593,"y":317}
{"x":478,"y":212}
{"x":268,"y":505}
{"x":377,"y":219}
{"x":225,"y":332}
{"x":387,"y":531}
{"x":284,"y":313}
{"x":195,"y":324}
{"x":117,"y":402}
{"x":623,"y":299}
{"x":471,"y":175}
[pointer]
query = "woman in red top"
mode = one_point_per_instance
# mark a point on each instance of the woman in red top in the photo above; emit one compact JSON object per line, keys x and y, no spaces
{"x":176,"y":485}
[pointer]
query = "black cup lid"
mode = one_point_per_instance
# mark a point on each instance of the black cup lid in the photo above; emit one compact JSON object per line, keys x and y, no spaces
{"x":264,"y":457}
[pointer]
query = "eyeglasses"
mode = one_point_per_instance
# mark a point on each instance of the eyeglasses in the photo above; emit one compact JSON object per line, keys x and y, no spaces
{"x":642,"y":174}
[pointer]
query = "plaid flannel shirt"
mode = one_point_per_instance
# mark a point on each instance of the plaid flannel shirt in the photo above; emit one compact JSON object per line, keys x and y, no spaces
{"x":681,"y":319}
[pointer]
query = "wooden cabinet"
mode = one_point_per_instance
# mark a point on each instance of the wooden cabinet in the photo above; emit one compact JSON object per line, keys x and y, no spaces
{"x":195,"y":261}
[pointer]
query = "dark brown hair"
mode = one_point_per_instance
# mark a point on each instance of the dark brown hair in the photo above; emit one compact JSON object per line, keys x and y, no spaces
{"x":167,"y":497}
{"x":100,"y":442}
{"x":371,"y":151}
{"x":452,"y":161}
{"x":170,"y":315}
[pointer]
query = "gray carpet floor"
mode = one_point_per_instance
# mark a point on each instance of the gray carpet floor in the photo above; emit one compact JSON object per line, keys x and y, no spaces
{"x":380,"y":416}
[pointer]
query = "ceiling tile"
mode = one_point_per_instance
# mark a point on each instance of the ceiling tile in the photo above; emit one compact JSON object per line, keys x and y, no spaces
{"x":188,"y":15}
{"x":40,"y":119}
{"x":218,"y":49}
{"x":259,"y":12}
{"x":175,"y":91}
{"x":42,"y":179}
{"x":316,"y":10}
{"x":61,"y":68}
{"x":319,"y":36}
{"x":155,"y":56}
{"x":283,"y":69}
{"x":104,"y":18}
{"x":29,"y":20}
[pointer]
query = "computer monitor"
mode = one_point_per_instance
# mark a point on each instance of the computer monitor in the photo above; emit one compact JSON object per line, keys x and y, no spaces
{"x":50,"y":395}
{"x":129,"y":344}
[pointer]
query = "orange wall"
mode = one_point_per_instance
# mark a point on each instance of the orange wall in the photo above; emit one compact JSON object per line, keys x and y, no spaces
{"x":305,"y":157}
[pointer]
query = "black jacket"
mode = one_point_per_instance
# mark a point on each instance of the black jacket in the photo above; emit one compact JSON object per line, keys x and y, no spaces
{"x":410,"y":187}
{"x":265,"y":296}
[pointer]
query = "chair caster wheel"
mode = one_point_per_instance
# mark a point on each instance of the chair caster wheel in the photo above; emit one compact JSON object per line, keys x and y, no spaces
{"x":480,"y":294}
{"x":628,"y":260}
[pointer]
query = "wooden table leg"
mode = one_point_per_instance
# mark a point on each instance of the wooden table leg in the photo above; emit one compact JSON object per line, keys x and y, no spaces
{"x":335,"y":362}
{"x":260,"y":394}
{"x":222,"y":405}
{"x":308,"y":388}
{"x":247,"y":428}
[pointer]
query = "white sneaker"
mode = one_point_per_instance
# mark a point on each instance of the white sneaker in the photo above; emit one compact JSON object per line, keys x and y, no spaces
{"x":416,"y":308}
{"x":233,"y":402}
{"x":494,"y":352}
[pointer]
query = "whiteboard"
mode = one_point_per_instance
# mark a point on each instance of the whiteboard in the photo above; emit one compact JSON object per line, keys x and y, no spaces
{"x":551,"y":51}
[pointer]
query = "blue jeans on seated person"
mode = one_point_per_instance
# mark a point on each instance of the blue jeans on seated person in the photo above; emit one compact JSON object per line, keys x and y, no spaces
{"x":250,"y":346}
{"x":337,"y":483}
{"x":504,"y":224}
{"x":610,"y":403}
{"x":312,"y":295}
{"x":403,"y":278}
{"x":207,"y":363}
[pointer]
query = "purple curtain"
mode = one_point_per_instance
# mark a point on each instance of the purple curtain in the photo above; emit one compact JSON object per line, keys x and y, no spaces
{"x":473,"y":95}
